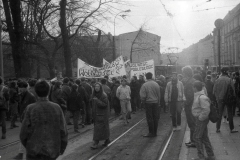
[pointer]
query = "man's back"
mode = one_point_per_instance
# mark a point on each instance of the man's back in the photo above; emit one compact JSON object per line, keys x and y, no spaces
{"x":150,"y":91}
{"x":44,"y":129}
{"x":220,"y":87}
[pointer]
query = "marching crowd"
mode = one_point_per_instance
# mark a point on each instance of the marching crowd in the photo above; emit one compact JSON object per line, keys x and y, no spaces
{"x":46,"y":107}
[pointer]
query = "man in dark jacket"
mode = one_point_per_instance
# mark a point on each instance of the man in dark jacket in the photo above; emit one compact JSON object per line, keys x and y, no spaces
{"x":4,"y":98}
{"x":44,"y":132}
{"x":135,"y":88}
{"x":188,"y":82}
{"x":66,"y":90}
{"x":26,"y":98}
{"x":88,"y":90}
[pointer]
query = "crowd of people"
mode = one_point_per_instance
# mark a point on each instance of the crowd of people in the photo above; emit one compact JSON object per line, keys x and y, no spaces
{"x":46,"y":107}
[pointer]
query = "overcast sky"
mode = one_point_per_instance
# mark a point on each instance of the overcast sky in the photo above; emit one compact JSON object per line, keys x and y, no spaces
{"x":192,"y":20}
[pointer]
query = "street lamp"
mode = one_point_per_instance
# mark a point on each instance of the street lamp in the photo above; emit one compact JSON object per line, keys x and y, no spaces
{"x":219,"y":23}
{"x":114,"y":51}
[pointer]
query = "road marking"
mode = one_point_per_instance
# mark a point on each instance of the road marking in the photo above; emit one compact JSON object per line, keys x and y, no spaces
{"x":166,"y":145}
{"x":115,"y":140}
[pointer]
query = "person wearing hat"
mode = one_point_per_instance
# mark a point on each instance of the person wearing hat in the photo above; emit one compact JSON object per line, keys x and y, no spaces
{"x":220,"y":90}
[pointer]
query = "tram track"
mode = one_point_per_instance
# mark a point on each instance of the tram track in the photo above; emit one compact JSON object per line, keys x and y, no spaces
{"x":69,"y":138}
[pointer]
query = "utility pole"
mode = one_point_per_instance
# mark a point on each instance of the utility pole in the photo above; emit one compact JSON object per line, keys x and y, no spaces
{"x":1,"y":53}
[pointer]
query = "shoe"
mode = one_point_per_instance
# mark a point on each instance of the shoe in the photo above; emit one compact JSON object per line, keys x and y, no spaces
{"x":218,"y":131}
{"x":179,"y":128}
{"x":4,"y":136}
{"x":233,"y":131}
{"x":174,"y":128}
{"x":94,"y":146}
{"x":211,"y":158}
{"x":188,"y":142}
{"x":148,"y":135}
{"x":19,"y":156}
{"x":69,"y":123}
{"x":106,"y":143}
{"x":191,"y":145}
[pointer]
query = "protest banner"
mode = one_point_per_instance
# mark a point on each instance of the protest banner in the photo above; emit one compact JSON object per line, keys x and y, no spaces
{"x":105,"y":62}
{"x":142,"y":68}
{"x":114,"y":69}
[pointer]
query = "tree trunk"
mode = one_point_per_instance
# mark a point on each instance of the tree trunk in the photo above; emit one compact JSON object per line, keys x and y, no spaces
{"x":51,"y":66}
{"x":65,"y":37}
{"x":16,"y":33}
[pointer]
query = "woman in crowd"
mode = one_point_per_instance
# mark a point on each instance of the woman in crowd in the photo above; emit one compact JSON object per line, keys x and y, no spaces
{"x":13,"y":103}
{"x":100,"y":106}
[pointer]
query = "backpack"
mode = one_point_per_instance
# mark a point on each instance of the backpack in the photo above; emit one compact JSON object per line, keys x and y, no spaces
{"x":213,"y":115}
{"x":2,"y":98}
{"x":229,"y":97}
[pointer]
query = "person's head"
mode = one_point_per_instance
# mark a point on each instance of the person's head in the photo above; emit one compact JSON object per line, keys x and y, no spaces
{"x":149,"y":75}
{"x":104,"y":81}
{"x":12,"y":84}
{"x":83,"y":79}
{"x":117,"y":82}
{"x":140,"y":77}
{"x":197,"y":86}
{"x":124,"y":76}
{"x":114,"y":80}
{"x":98,"y":87}
{"x":70,"y":84}
{"x":74,"y":87}
{"x":237,"y":73}
{"x":162,"y":78}
{"x":78,"y":82}
{"x":180,"y":77}
{"x":22,"y":85}
{"x":198,"y":77}
{"x":124,"y":82}
{"x":1,"y":80}
{"x":32,"y":82}
{"x":59,"y":75}
{"x":224,"y":71}
{"x":174,"y":76}
{"x":209,"y":72}
{"x":134,"y":78}
{"x":57,"y":85}
{"x":106,"y":77}
{"x":65,"y":80}
{"x":209,"y":77}
{"x":42,"y":88}
{"x":187,"y":72}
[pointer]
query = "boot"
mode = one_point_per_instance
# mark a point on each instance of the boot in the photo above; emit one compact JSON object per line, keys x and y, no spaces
{"x":95,"y":145}
{"x":107,"y":141}
{"x":4,"y":136}
{"x":19,"y":156}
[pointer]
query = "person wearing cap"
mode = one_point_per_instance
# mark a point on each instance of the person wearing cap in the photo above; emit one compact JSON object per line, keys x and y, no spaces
{"x":220,"y":90}
{"x":124,"y":95}
{"x":174,"y":97}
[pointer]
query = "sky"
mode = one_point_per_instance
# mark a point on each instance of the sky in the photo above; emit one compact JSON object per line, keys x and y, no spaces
{"x":190,"y":22}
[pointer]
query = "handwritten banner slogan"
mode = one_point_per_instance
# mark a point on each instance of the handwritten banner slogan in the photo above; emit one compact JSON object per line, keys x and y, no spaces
{"x":114,"y":69}
{"x":142,"y":68}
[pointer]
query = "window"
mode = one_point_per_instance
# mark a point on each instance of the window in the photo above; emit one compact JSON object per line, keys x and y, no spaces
{"x":235,"y":22}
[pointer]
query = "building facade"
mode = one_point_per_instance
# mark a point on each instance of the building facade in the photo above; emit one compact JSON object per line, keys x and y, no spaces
{"x":230,"y":39}
{"x":138,"y":46}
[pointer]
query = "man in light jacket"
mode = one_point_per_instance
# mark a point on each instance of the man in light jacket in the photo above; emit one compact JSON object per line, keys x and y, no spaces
{"x":200,"y":111}
{"x":174,"y":97}
{"x":150,"y":95}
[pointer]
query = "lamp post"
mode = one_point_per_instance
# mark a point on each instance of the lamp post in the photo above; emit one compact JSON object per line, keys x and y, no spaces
{"x":1,"y":53}
{"x":219,"y":23}
{"x":114,"y":51}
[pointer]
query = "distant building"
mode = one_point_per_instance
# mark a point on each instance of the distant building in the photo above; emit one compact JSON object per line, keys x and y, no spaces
{"x":139,"y":45}
{"x":194,"y":54}
{"x":230,"y":39}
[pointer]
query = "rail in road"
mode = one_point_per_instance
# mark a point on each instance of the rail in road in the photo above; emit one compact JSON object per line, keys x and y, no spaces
{"x":70,"y":138}
{"x":162,"y":152}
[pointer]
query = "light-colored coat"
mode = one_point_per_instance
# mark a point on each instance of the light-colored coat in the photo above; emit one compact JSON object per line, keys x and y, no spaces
{"x":168,"y":92}
{"x":201,"y":106}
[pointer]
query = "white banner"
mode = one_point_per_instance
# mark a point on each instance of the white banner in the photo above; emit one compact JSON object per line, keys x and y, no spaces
{"x":105,"y":62}
{"x":114,"y":69}
{"x":142,"y":68}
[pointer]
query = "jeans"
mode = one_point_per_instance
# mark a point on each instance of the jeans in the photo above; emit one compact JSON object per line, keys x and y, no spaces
{"x":176,"y":110}
{"x":134,"y":102}
{"x":152,"y":115}
{"x":201,"y":137}
{"x":3,"y":120}
{"x":221,"y":106}
{"x":126,"y":108}
{"x":190,"y":121}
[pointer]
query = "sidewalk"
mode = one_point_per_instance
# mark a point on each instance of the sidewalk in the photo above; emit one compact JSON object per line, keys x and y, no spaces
{"x":226,"y":145}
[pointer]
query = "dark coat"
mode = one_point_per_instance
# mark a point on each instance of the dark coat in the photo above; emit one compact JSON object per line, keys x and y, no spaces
{"x":66,"y":90}
{"x":188,"y":91}
{"x":83,"y":93}
{"x":44,"y":130}
{"x":26,"y":99}
{"x":6,"y":96}
{"x":75,"y":101}
{"x":87,"y":88}
{"x":135,"y":88}
{"x":209,"y":86}
{"x":100,"y":117}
